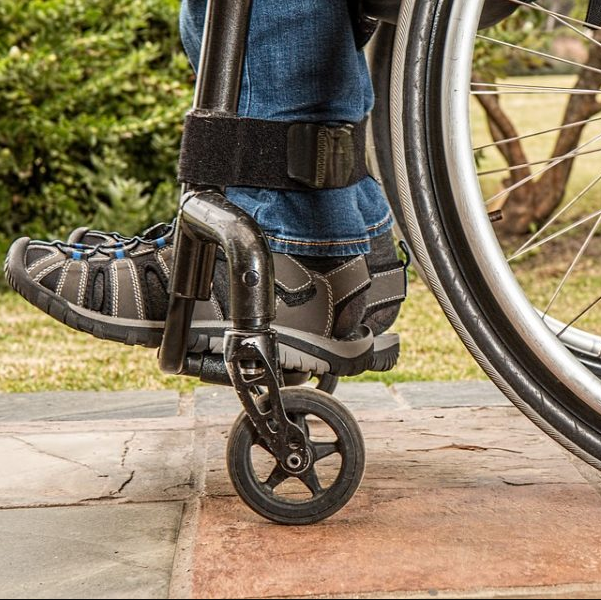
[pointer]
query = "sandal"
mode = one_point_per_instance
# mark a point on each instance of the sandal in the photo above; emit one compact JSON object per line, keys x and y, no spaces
{"x":119,"y":293}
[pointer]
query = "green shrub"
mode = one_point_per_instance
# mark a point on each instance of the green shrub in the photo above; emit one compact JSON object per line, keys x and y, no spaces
{"x":92,"y":97}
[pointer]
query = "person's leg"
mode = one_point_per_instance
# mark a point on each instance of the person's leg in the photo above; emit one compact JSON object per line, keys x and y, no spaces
{"x":301,"y":65}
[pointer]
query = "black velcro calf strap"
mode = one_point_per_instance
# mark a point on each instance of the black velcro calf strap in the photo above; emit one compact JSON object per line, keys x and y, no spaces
{"x":593,"y":16}
{"x":228,"y":151}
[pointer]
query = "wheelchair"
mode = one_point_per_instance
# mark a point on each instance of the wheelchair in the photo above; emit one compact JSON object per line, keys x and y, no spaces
{"x":421,"y":63}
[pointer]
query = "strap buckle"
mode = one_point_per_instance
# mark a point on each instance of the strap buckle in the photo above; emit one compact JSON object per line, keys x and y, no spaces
{"x":320,"y":156}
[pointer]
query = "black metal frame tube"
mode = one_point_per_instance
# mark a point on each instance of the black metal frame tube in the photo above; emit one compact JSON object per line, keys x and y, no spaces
{"x":222,"y":55}
{"x":252,"y":299}
{"x":217,"y":90}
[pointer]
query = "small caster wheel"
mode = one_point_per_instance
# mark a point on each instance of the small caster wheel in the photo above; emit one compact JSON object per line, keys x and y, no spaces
{"x":329,"y":481}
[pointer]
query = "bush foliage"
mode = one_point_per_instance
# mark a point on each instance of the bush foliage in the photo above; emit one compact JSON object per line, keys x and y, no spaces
{"x":92,"y":97}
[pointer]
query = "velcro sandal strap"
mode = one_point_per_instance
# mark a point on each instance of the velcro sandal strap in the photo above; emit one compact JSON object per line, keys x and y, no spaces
{"x":220,"y":150}
{"x":388,"y":286}
{"x":349,"y":279}
{"x":291,"y":275}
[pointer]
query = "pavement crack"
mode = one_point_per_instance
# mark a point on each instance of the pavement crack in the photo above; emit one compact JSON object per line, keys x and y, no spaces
{"x":189,"y":483}
{"x":126,"y":448}
{"x":124,"y":484}
{"x":520,"y":483}
{"x":468,"y":447}
{"x":57,"y":456}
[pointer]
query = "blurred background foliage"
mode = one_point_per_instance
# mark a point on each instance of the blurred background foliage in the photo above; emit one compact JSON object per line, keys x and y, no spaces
{"x":92,"y":98}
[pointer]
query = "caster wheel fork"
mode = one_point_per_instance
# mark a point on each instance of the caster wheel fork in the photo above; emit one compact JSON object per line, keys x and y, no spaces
{"x":280,"y":492}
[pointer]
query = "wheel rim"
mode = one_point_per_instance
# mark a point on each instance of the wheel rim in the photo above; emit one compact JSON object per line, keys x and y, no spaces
{"x":466,"y":189}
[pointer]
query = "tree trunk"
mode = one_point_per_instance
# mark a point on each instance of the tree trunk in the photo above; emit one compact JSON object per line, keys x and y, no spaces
{"x":532,"y":203}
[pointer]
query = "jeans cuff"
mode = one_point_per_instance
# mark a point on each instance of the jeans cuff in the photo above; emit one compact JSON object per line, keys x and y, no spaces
{"x":330,"y":247}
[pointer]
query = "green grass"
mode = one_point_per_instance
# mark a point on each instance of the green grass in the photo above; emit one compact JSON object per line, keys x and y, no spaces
{"x":38,"y":353}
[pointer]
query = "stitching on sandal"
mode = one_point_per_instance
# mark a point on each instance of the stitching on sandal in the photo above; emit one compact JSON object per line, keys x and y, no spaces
{"x":42,"y":259}
{"x":136,"y":285}
{"x":140,"y":252}
{"x":344,"y":266}
{"x":82,"y":283}
{"x":361,"y":285}
{"x":387,"y":273}
{"x":47,"y":270}
{"x":384,"y":300}
{"x":305,"y":271}
{"x":115,"y":290}
{"x":330,"y":322}
{"x":162,"y":261}
{"x":61,"y":280}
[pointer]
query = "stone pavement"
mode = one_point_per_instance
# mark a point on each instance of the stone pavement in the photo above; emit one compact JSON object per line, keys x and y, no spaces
{"x":125,"y":495}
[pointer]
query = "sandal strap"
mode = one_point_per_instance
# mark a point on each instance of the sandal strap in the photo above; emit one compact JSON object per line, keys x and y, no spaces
{"x":291,"y":275}
{"x":388,"y":286}
{"x":349,"y":279}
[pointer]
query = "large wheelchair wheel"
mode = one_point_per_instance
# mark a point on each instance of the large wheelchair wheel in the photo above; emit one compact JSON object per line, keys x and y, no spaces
{"x":543,"y":359}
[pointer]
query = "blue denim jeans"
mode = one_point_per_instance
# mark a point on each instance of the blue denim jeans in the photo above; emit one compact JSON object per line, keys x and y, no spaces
{"x":302,"y":65}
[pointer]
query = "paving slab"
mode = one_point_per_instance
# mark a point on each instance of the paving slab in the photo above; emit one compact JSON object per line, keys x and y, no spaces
{"x":69,"y":466}
{"x":438,"y":539}
{"x":87,"y":406}
{"x":449,"y":394}
{"x":216,"y":402}
{"x":371,"y":401}
{"x":577,"y":590}
{"x":105,"y":551}
{"x":455,"y":500}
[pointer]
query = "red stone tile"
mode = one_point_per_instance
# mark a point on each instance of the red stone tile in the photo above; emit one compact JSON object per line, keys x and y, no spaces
{"x":412,"y":540}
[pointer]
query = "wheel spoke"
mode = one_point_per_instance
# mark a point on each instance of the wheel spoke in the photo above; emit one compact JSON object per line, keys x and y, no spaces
{"x":518,"y":138}
{"x":578,"y":256}
{"x":527,"y":89}
{"x":300,"y":421}
{"x":533,"y":163}
{"x":511,"y":87}
{"x":538,"y":53}
{"x":558,"y":233}
{"x":325,"y":449}
{"x":526,"y":246}
{"x":579,"y":315}
{"x":556,"y":161}
{"x":565,"y":19}
{"x":277,"y":476}
{"x":311,"y":480}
